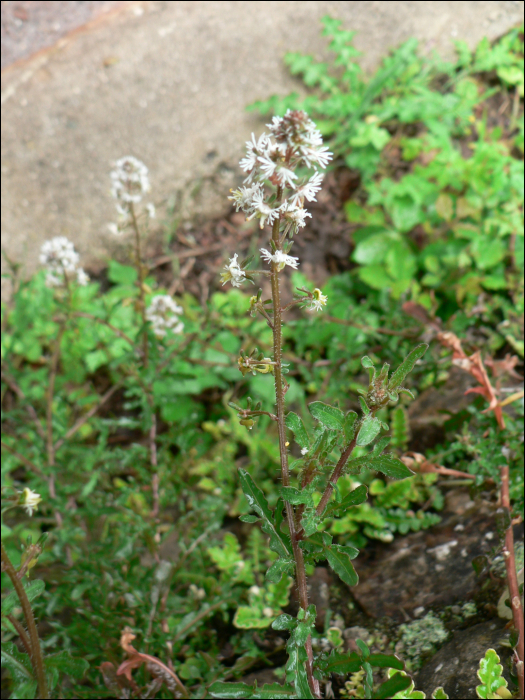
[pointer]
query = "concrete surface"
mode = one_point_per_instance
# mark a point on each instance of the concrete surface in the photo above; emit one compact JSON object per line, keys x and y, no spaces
{"x":168,"y":82}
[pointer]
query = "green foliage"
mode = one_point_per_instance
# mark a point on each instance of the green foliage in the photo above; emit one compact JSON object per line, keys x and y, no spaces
{"x":493,"y":685}
{"x":435,"y":219}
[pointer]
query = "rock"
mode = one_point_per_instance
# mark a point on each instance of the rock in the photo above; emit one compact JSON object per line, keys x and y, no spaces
{"x":455,"y":665}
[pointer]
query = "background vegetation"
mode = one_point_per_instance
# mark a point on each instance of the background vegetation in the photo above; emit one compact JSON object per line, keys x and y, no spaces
{"x":137,"y":463}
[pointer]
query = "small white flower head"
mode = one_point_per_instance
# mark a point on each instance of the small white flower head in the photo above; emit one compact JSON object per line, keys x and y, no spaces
{"x":254,"y":149}
{"x":295,"y":215}
{"x":268,"y":612}
{"x":299,"y":132}
{"x":261,"y":210}
{"x":308,"y":190}
{"x":151,"y":211}
{"x":162,"y":313}
{"x":244,"y":196}
{"x":254,"y":590}
{"x":304,"y":451}
{"x":234,"y":273}
{"x":61,"y":260}
{"x":129,"y":182}
{"x":319,"y":300}
{"x":280,"y":258}
{"x":29,"y":500}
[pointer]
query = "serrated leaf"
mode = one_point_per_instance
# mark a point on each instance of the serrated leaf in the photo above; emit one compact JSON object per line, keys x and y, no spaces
{"x":490,"y":674}
{"x":386,"y":661}
{"x":249,"y":518}
{"x":242,"y":690}
{"x":330,"y":416}
{"x":354,"y":498}
{"x":406,"y":366}
{"x":278,"y":568}
{"x":340,"y":562}
{"x":284,"y":622}
{"x":394,"y":685}
{"x":18,"y":664}
{"x":296,"y":425}
{"x":390,"y":466}
{"x":63,"y":661}
{"x":295,"y":496}
{"x":32,"y":589}
{"x":247,"y":618}
{"x":343,"y":663}
{"x":368,"y":431}
{"x":258,"y":502}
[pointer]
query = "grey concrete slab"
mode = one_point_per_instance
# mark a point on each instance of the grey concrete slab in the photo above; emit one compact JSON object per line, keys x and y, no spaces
{"x":168,"y":82}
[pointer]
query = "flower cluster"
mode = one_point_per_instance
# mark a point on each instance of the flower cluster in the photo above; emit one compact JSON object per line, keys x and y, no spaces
{"x":129,"y":182}
{"x":274,"y":192}
{"x":297,"y":142}
{"x":162,"y":313}
{"x":61,"y":260}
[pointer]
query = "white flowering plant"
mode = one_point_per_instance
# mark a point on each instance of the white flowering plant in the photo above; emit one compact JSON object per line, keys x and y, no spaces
{"x":275,"y":194}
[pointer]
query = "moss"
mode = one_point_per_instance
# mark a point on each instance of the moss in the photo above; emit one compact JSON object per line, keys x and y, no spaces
{"x":421,"y":638}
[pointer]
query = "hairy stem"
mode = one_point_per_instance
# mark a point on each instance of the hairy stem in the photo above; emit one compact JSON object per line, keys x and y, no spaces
{"x":285,"y":472}
{"x":140,"y":271}
{"x":512,"y":580}
{"x":37,"y":660}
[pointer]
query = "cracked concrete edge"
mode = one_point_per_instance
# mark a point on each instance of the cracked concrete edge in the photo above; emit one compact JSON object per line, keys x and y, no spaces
{"x":169,"y":83}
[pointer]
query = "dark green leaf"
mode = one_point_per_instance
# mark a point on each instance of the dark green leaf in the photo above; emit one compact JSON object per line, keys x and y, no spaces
{"x":386,"y":661}
{"x":407,"y":366}
{"x":343,"y":663}
{"x":363,"y":648}
{"x":302,"y":688}
{"x":296,"y":425}
{"x":258,"y":502}
{"x":395,"y":685}
{"x":390,"y":466}
{"x":349,"y":426}
{"x":295,"y":496}
{"x":278,"y":568}
{"x":32,"y":589}
{"x":242,"y":690}
{"x":249,"y":518}
{"x":330,"y":416}
{"x":354,"y":498}
{"x":65,"y":663}
{"x":341,"y":564}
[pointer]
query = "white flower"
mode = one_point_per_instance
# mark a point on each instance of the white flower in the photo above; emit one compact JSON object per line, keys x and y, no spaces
{"x":304,"y":451}
{"x":150,"y":208}
{"x":29,"y":500}
{"x":162,"y":313}
{"x":261,"y":210}
{"x":254,"y":590}
{"x":233,"y":273}
{"x":243,"y":197}
{"x":308,"y":190}
{"x":319,"y":300}
{"x":280,"y":258}
{"x":129,"y":182}
{"x":296,"y":215}
{"x":254,"y":149}
{"x":268,"y":612}
{"x":82,"y":277}
{"x":61,"y":260}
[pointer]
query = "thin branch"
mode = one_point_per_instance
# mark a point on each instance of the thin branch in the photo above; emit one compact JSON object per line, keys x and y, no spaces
{"x":49,"y":411}
{"x":102,"y":321}
{"x":37,"y":660}
{"x":83,"y":419}
{"x":24,"y":460}
{"x":18,"y":391}
{"x":512,"y":580}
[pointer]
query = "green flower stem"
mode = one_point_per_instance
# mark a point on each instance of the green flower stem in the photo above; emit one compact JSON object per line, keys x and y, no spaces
{"x":512,"y":581}
{"x":37,"y":660}
{"x":285,"y":472}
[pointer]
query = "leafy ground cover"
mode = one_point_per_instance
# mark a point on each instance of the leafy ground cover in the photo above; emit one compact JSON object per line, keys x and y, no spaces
{"x":129,"y":439}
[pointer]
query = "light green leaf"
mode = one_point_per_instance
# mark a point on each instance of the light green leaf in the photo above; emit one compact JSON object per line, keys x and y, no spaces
{"x":32,"y":589}
{"x":330,"y":416}
{"x":278,"y":568}
{"x":407,"y":366}
{"x":439,"y":694}
{"x":296,"y":425}
{"x":390,"y":466}
{"x":490,"y":674}
{"x":370,"y":428}
{"x":396,"y":684}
